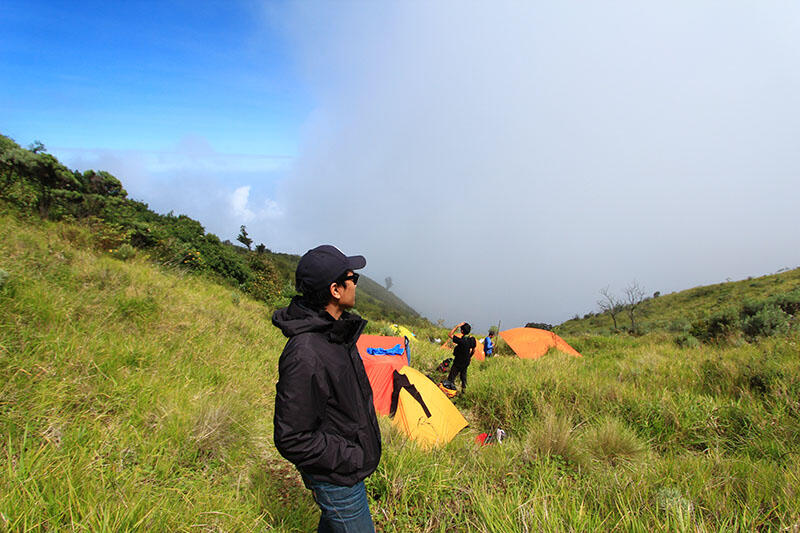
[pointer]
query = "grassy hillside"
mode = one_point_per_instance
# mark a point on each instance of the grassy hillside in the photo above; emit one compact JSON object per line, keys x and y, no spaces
{"x":34,"y":182}
{"x":135,"y":397}
{"x":675,"y":312}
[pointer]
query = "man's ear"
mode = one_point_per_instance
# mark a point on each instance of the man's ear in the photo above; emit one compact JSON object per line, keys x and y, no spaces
{"x":335,"y":290}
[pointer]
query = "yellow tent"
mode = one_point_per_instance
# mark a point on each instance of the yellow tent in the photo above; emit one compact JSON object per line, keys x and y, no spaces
{"x":444,"y":422}
{"x":403,"y":331}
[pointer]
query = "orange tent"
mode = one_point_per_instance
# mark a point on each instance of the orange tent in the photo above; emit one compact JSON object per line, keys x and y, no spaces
{"x":532,"y":343}
{"x":380,"y":368}
{"x":477,"y":354}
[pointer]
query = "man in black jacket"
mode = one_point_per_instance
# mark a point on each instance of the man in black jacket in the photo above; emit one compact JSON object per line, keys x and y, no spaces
{"x":325,"y":420}
{"x":462,"y":355}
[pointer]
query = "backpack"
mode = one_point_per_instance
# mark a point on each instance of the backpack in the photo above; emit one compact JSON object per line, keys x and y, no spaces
{"x":444,"y":366}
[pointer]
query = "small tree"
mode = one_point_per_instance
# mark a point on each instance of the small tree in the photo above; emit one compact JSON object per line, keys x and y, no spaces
{"x":610,"y":304}
{"x":634,"y":296}
{"x":243,"y":238}
{"x":37,"y":147}
{"x":261,"y":249}
{"x":388,"y":281}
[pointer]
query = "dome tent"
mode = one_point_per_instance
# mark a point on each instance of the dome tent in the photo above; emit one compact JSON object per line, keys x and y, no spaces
{"x":532,"y":343}
{"x":417,"y":406}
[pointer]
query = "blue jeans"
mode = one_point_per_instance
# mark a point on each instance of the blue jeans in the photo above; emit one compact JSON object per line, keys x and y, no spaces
{"x":344,"y":509}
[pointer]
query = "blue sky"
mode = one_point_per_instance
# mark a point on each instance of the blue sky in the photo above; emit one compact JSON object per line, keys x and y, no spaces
{"x":501,"y":161}
{"x":139,"y":75}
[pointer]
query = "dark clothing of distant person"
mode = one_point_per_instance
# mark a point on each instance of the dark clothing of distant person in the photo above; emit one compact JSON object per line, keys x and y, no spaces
{"x":462,"y":355}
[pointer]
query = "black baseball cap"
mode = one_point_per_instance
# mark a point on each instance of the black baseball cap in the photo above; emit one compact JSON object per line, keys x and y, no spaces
{"x":323,"y":265}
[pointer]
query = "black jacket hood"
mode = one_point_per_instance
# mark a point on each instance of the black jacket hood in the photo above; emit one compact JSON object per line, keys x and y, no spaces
{"x":297,"y":319}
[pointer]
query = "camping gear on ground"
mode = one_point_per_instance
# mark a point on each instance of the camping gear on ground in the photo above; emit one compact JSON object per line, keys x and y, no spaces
{"x":448,"y":388}
{"x":434,"y":420}
{"x":444,"y":366}
{"x":532,"y":343}
{"x":397,"y":350}
{"x":485,"y":439}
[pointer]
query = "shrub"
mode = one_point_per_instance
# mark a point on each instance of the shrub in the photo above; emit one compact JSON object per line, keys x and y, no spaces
{"x":264,"y":285}
{"x":788,"y":302}
{"x":124,"y":252}
{"x":768,"y":321}
{"x":107,"y":236}
{"x":717,"y":327}
{"x":685,"y":340}
{"x":224,"y":260}
{"x":542,"y":325}
{"x":751,"y":306}
{"x":679,"y":325}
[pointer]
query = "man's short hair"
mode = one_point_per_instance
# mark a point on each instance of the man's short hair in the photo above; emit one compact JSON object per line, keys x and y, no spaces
{"x":466,"y":328}
{"x":318,"y":299}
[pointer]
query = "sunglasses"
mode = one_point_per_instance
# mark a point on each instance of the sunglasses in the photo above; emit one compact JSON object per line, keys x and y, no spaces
{"x":354,"y":276}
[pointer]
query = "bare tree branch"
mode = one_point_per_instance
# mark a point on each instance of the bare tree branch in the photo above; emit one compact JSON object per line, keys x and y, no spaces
{"x":609,"y":304}
{"x":634,"y":296}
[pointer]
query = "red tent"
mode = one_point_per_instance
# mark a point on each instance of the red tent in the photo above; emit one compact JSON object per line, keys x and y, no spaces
{"x":380,"y":368}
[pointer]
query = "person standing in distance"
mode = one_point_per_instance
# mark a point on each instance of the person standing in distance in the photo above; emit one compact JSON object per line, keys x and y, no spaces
{"x":488,"y":345}
{"x":325,"y":421}
{"x":462,"y":355}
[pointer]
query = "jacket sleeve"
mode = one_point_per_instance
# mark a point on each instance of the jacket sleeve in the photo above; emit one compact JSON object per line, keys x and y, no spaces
{"x":300,"y":404}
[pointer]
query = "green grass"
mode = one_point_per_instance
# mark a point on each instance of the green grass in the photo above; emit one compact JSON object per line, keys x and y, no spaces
{"x":140,"y":398}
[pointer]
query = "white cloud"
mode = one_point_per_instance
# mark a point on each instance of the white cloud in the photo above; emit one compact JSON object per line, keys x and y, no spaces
{"x":239,"y":200}
{"x":239,"y":203}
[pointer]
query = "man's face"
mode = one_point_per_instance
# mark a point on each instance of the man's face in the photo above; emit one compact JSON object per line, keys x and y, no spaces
{"x":348,"y":292}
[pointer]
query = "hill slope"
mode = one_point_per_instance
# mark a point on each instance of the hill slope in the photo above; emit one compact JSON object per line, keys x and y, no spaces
{"x":33,"y":181}
{"x":136,"y":397}
{"x":675,"y":312}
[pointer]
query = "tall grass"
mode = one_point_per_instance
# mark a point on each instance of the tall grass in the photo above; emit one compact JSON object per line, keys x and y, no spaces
{"x":137,"y":398}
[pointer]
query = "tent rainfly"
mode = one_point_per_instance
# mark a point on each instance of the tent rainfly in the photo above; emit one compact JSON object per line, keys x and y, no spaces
{"x":403,"y":331}
{"x":422,"y":411}
{"x":380,"y":367}
{"x":532,"y":343}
